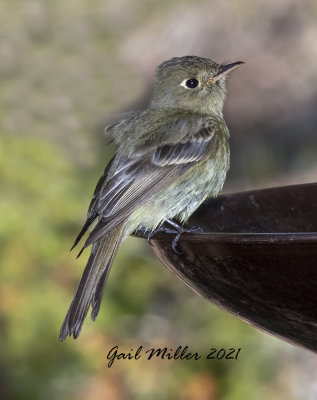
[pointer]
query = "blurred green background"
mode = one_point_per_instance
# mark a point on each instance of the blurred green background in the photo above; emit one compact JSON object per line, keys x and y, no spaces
{"x":65,"y":68}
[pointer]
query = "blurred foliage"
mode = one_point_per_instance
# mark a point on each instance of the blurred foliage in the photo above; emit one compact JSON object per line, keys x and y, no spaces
{"x":66,"y":66}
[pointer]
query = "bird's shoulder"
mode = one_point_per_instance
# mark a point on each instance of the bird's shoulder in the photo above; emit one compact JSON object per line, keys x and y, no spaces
{"x":153,"y":133}
{"x":160,"y":123}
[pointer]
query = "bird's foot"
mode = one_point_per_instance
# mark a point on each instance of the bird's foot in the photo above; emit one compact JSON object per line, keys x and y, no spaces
{"x":159,"y":229}
{"x":178,"y":231}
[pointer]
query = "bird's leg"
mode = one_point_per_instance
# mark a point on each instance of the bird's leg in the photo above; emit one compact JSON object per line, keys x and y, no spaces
{"x":161,"y":228}
{"x":178,"y":230}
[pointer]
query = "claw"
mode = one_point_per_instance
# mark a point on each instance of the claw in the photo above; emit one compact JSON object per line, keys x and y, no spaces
{"x":161,"y":228}
{"x":149,"y":237}
{"x":177,"y":231}
{"x":180,"y":230}
{"x":175,"y":243}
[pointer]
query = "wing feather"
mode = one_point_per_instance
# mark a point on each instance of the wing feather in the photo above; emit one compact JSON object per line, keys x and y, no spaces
{"x":180,"y":153}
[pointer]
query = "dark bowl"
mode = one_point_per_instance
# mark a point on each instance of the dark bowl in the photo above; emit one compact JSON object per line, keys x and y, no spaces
{"x":256,"y":258}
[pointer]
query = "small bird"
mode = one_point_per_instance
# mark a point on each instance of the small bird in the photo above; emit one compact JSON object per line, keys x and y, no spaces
{"x":169,"y":158}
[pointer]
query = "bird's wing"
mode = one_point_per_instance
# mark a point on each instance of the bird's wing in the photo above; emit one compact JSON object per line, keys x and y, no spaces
{"x":92,"y":214}
{"x":190,"y":150}
{"x":142,"y":175}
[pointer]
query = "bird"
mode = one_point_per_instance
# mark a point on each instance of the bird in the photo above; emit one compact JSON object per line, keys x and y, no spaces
{"x":170,"y":157}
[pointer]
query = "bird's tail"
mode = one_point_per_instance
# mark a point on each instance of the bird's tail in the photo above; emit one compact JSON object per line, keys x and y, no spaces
{"x":92,"y":283}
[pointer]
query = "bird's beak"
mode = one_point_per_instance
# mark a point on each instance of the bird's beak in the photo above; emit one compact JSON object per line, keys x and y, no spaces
{"x":224,"y":71}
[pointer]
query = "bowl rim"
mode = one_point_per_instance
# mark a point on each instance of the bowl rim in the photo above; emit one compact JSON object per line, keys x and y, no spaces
{"x":253,"y":237}
{"x":239,"y":237}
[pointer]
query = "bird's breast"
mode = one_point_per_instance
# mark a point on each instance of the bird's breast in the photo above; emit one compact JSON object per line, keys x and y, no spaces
{"x":185,"y":195}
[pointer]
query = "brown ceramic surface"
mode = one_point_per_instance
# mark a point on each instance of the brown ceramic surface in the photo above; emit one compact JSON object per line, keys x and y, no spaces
{"x":256,"y":258}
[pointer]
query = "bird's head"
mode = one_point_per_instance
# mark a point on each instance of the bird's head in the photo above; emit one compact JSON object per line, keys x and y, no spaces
{"x":191,"y":83}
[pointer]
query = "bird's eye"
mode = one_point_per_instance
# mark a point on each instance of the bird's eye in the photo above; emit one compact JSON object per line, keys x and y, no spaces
{"x":192,"y":83}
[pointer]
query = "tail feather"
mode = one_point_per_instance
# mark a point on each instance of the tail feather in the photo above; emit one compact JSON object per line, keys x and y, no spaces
{"x":98,"y":293}
{"x":92,"y":283}
{"x":97,"y":297}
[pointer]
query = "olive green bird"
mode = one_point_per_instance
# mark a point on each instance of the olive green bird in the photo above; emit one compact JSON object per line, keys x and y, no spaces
{"x":170,"y":157}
